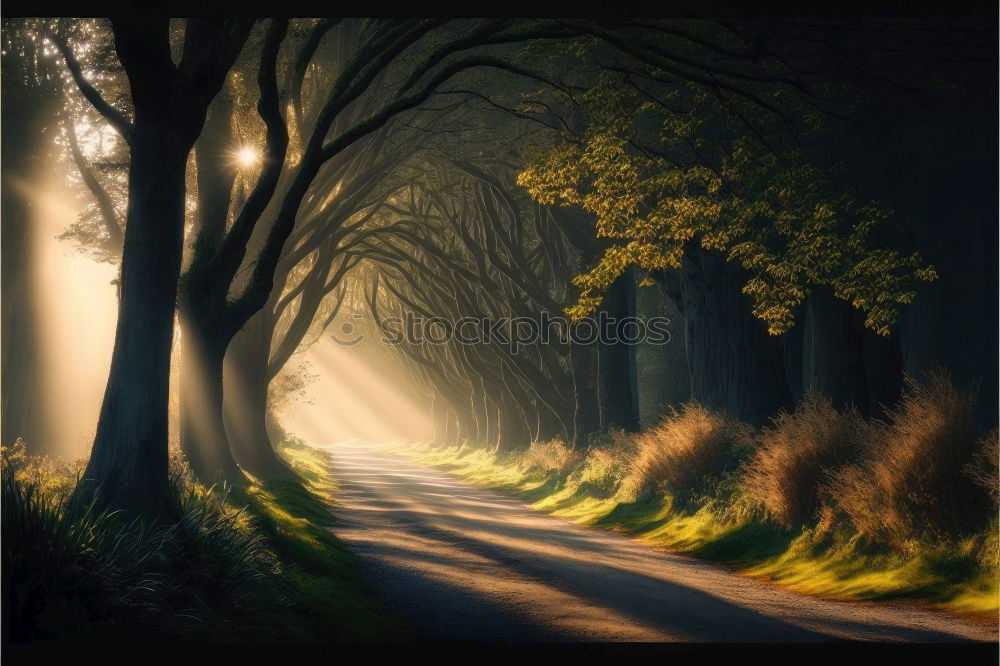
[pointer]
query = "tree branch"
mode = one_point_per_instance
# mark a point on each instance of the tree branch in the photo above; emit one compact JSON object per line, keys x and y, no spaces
{"x":112,"y":223}
{"x":114,"y":117}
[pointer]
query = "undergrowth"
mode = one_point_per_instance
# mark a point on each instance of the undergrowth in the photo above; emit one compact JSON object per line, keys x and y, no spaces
{"x":253,"y":565}
{"x":823,"y":501}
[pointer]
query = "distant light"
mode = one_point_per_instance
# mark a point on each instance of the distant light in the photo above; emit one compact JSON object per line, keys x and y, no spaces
{"x":247,"y":156}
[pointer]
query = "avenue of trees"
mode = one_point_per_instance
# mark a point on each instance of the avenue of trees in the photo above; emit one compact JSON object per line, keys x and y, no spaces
{"x":812,"y":203}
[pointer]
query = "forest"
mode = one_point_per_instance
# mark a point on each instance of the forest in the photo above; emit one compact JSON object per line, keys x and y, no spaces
{"x":314,"y":329}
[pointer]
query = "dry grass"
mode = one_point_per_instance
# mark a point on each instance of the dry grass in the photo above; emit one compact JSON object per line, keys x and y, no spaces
{"x":604,"y":468}
{"x":985,"y":466}
{"x":920,"y":488}
{"x":913,"y":481}
{"x":786,"y":473}
{"x":601,"y":472}
{"x":553,"y":457}
{"x":959,"y":575}
{"x":686,"y":448}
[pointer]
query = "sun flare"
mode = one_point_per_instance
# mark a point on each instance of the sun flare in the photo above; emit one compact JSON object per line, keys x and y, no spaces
{"x":247,"y":156}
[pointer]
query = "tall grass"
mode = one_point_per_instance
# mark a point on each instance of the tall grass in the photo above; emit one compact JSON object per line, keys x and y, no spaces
{"x":787,"y":472}
{"x":914,"y":479}
{"x":551,"y":457}
{"x":985,"y":466}
{"x":686,"y":450}
{"x":232,"y":569}
{"x":821,"y":499}
{"x":89,"y":573}
{"x":605,"y":464}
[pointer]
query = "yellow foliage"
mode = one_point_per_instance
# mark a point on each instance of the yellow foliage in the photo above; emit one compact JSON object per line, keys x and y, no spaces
{"x":774,"y":214}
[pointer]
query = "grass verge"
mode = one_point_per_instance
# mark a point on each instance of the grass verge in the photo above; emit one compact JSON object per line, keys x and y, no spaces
{"x":254,"y":565}
{"x":296,"y":516}
{"x":829,"y":559}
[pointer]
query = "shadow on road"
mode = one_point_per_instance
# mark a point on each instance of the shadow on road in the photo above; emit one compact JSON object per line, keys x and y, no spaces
{"x":466,"y":564}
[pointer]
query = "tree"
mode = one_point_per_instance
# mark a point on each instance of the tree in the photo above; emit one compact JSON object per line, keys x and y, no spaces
{"x":128,"y":463}
{"x":351,"y":112}
{"x":711,"y":189}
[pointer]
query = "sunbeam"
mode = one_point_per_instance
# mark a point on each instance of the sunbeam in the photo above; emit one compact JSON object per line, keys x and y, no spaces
{"x":76,"y":309}
{"x":352,"y":401}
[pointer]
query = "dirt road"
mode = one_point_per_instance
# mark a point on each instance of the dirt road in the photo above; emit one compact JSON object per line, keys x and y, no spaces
{"x":460,"y":563}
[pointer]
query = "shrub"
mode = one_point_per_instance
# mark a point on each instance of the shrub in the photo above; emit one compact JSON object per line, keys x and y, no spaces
{"x":54,"y":476}
{"x":985,"y":466}
{"x":610,"y":438}
{"x":553,"y":457}
{"x":604,"y":468}
{"x":913,"y":481}
{"x":686,"y":449}
{"x":786,"y":474}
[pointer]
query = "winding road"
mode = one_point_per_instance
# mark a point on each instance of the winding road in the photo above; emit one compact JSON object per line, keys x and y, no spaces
{"x":459,"y":563}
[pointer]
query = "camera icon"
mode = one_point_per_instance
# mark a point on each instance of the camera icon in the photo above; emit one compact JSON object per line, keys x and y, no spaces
{"x":347,"y":334}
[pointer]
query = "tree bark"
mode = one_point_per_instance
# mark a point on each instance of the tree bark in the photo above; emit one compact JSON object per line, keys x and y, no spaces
{"x":883,"y":363}
{"x":439,"y":419}
{"x":514,"y":431}
{"x":734,"y":365}
{"x":128,"y":463}
{"x":247,"y":408}
{"x":661,"y":368}
{"x":586,"y":408}
{"x":202,"y":307}
{"x":833,"y":360}
{"x":948,"y":201}
{"x":452,"y":434}
{"x":616,"y":358}
{"x":203,"y":433}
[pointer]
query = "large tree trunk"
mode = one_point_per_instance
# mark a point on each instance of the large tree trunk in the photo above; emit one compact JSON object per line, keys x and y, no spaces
{"x":586,"y":408}
{"x":514,"y":429}
{"x":247,"y":410}
{"x":661,"y":367}
{"x":550,"y":424}
{"x":948,"y":202}
{"x":734,"y":365}
{"x":204,"y":313}
{"x":793,"y":344}
{"x":616,"y":358}
{"x":930,"y":155}
{"x":452,"y":432}
{"x":128,"y":464}
{"x":203,"y":433}
{"x":833,"y":363}
{"x":494,"y":413}
{"x":883,"y":362}
{"x":478,"y":411}
{"x":842,"y":360}
{"x":439,"y":419}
